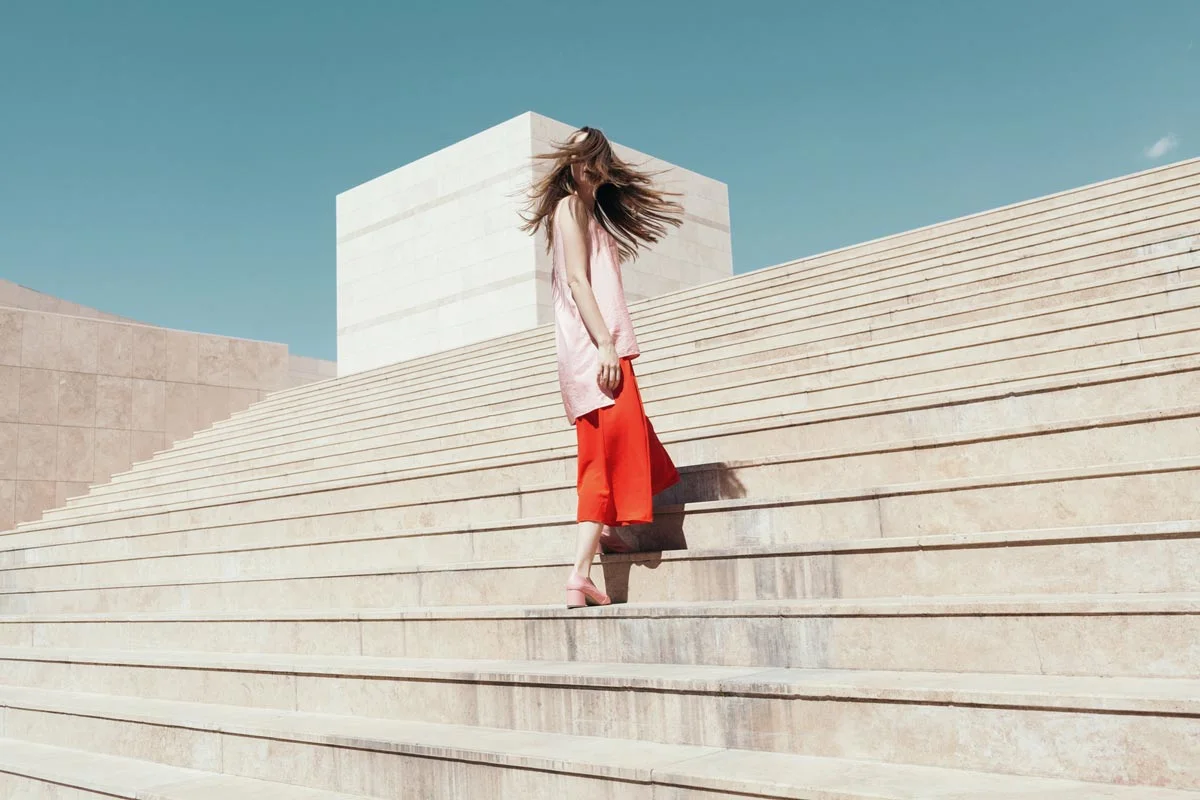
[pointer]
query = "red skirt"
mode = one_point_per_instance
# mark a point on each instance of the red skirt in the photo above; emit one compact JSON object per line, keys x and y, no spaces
{"x":622,"y":464}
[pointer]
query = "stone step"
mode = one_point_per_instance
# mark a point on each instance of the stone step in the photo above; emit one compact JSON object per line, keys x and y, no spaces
{"x":41,"y":772}
{"x":303,"y":468}
{"x":263,"y":432}
{"x":725,"y":404}
{"x":1106,"y":730}
{"x":722,"y":293}
{"x":385,"y":501}
{"x":1144,"y":634}
{"x":668,"y":312}
{"x":390,"y":758}
{"x":331,"y":389}
{"x":786,"y":393}
{"x":906,"y":301}
{"x":789,"y":392}
{"x":1089,"y":443}
{"x":389,"y":415}
{"x":342,"y":432}
{"x":266,"y":449}
{"x":970,"y":562}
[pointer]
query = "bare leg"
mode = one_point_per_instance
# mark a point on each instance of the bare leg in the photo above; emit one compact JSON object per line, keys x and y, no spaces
{"x":585,"y":551}
{"x":604,"y":532}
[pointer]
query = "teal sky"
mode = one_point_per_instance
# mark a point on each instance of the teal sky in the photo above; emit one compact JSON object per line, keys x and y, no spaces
{"x":176,"y":162}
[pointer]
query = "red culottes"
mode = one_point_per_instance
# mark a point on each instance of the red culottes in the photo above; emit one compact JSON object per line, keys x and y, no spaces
{"x":622,"y":464}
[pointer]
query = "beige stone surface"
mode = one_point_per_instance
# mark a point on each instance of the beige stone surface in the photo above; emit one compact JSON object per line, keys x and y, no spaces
{"x":32,"y":496}
{"x":37,"y":452}
{"x":149,"y":353}
{"x":272,"y":368}
{"x":114,"y":402}
{"x":214,"y":362}
{"x":212,"y":404}
{"x":79,"y":348}
{"x":8,"y":501}
{"x":243,"y":363}
{"x":40,"y":340}
{"x":77,"y":396}
{"x":76,"y":454}
{"x":8,"y":450}
{"x":136,"y":388}
{"x":11,"y":336}
{"x":148,"y":405}
{"x":113,"y":453}
{"x":114,"y":350}
{"x":181,"y":410}
{"x":39,"y":396}
{"x":382,"y":756}
{"x":144,"y":444}
{"x":182,"y":357}
{"x":241,"y":399}
{"x":66,"y":490}
{"x":10,"y":393}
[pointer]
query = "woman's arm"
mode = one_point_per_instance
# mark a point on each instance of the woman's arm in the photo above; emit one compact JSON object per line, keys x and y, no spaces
{"x":573,"y":231}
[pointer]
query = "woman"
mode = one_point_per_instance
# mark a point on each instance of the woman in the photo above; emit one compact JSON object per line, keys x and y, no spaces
{"x":598,"y":211}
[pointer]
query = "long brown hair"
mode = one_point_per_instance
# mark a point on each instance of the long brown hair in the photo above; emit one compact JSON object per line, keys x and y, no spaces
{"x":628,"y":204}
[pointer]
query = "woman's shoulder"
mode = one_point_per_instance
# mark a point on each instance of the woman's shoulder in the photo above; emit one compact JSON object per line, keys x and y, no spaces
{"x":571,"y":209}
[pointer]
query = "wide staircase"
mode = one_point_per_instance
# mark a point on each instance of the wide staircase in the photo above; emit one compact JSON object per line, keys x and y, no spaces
{"x":936,"y":538}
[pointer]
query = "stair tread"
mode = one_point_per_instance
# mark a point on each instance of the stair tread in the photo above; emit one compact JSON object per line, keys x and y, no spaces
{"x":1172,"y":528}
{"x":689,"y":766}
{"x":1146,"y":367}
{"x":905,"y":332}
{"x":256,"y":429}
{"x":377,"y":470}
{"x":549,"y":408}
{"x":142,"y":780}
{"x":1143,"y":695}
{"x":231,"y":481}
{"x":933,"y":605}
{"x":1186,"y":463}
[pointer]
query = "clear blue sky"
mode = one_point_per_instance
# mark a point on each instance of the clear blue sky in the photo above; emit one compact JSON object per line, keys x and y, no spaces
{"x":176,"y":162}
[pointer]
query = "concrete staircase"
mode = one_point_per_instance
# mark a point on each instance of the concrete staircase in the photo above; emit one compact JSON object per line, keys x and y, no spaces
{"x":937,"y":538}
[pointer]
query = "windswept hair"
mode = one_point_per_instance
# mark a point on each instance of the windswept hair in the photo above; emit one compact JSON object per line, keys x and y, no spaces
{"x":628,"y":204}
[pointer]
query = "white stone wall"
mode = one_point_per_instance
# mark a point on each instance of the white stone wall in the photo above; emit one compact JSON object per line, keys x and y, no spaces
{"x":431,"y":256}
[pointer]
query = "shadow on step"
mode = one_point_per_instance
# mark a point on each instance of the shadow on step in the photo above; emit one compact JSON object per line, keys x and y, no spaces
{"x":617,"y":570}
{"x":699,"y":483}
{"x":703,"y":483}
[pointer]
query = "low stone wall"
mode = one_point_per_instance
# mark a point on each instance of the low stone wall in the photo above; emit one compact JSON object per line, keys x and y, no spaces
{"x":83,"y":397}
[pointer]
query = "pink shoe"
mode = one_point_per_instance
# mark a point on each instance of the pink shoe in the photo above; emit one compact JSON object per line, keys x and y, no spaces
{"x":582,"y":592}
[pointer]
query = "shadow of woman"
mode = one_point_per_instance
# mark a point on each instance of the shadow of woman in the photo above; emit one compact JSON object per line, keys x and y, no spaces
{"x":699,"y":483}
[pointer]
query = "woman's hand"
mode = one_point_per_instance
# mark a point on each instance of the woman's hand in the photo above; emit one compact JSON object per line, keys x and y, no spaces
{"x":609,"y":376}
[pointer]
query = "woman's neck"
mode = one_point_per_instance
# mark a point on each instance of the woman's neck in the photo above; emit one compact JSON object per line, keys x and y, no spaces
{"x":588,"y":195}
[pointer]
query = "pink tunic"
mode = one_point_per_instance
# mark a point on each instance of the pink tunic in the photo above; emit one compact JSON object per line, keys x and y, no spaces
{"x":578,"y":356}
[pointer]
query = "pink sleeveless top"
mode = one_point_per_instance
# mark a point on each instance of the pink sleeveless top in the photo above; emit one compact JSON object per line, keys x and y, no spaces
{"x":578,"y":356}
